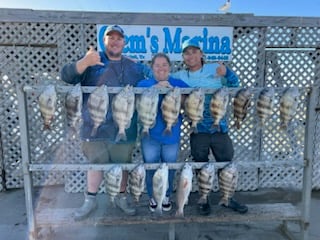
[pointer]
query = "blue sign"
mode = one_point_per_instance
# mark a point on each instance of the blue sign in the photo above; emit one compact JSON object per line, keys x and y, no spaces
{"x":143,"y":41}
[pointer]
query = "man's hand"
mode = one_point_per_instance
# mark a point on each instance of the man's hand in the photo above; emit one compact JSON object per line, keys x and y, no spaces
{"x":91,"y":58}
{"x":221,"y":70}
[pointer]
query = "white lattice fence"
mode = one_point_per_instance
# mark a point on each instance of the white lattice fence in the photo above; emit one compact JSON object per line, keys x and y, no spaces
{"x":34,"y":52}
{"x":316,"y":163}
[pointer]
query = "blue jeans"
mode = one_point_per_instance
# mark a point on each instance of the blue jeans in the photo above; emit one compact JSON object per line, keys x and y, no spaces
{"x":156,"y":152}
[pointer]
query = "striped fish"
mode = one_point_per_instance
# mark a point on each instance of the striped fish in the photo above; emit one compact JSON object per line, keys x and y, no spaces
{"x":147,"y":108}
{"x":288,"y":105}
{"x":113,"y":181}
{"x":170,"y":107}
{"x":184,"y":188}
{"x":194,"y":106}
{"x":137,"y":181}
{"x":265,"y":104}
{"x":218,"y":106}
{"x":241,"y":103}
{"x":160,"y":185}
{"x":122,"y":111}
{"x":205,"y":181}
{"x":73,"y":106}
{"x":98,"y":104}
{"x":228,"y":180}
{"x":47,"y":105}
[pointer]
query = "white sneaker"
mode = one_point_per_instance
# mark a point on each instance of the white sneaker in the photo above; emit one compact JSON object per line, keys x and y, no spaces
{"x":152,"y":204}
{"x":166,"y":204}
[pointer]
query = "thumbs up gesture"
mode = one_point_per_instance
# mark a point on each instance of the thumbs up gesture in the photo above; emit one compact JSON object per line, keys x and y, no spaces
{"x":221,"y":70}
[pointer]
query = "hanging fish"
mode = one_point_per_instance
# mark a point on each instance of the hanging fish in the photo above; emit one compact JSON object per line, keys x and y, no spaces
{"x":288,"y":105}
{"x":241,"y":103}
{"x":184,"y":188}
{"x":228,"y":180}
{"x":194,"y":107}
{"x":218,"y":106}
{"x":170,"y":107}
{"x":122,"y":111}
{"x":265,"y":104}
{"x":98,"y":104}
{"x":73,"y":105}
{"x":205,"y":181}
{"x":47,"y":104}
{"x":113,"y":181}
{"x":137,"y":181}
{"x":160,"y":185}
{"x":147,"y":108}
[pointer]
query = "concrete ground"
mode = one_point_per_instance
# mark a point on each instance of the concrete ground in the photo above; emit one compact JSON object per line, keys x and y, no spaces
{"x":14,"y":226}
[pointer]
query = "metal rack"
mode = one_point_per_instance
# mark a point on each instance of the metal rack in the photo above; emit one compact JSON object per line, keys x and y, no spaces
{"x":285,"y":212}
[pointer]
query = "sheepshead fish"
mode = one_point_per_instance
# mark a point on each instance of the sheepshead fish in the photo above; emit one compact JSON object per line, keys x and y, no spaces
{"x":184,"y":188}
{"x":288,"y":105}
{"x":73,"y":105}
{"x":194,"y":106}
{"x":122,"y":111}
{"x":147,"y":108}
{"x":228,"y":179}
{"x":265,"y":104}
{"x":205,"y":181}
{"x":160,"y":185}
{"x":113,"y":181}
{"x":170,"y":107}
{"x":241,"y":103}
{"x":47,"y":105}
{"x":137,"y":181}
{"x":98,"y":104}
{"x":218,"y":106}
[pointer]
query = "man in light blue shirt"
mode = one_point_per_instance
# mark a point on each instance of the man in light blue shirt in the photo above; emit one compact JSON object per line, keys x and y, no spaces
{"x":208,"y":75}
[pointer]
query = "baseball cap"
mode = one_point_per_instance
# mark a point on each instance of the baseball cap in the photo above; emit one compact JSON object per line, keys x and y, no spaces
{"x":114,"y":28}
{"x":191,"y":42}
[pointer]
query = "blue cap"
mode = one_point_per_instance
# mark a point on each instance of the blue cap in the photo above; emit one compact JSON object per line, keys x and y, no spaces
{"x":191,"y":42}
{"x":114,"y":28}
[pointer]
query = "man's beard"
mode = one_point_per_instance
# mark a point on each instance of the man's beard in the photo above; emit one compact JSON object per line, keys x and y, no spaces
{"x":114,"y":55}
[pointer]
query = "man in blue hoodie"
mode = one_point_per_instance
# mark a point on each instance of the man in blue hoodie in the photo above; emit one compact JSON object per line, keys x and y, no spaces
{"x":111,"y":68}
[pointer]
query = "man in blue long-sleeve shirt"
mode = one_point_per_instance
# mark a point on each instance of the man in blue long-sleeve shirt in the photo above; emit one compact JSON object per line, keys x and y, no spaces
{"x":111,"y":68}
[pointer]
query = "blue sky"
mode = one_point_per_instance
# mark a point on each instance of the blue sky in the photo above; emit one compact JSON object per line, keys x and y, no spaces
{"x":310,"y":8}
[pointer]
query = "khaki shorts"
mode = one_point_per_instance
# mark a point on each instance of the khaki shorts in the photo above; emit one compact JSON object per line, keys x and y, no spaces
{"x":105,"y":152}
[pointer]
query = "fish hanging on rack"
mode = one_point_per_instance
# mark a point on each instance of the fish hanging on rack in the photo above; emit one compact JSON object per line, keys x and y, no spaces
{"x":265,"y":104}
{"x":184,"y":188}
{"x":288,"y":105}
{"x":98,"y":104}
{"x":113,"y":181}
{"x":147,"y":108}
{"x":137,"y":181}
{"x":170,"y":107}
{"x":218,"y":106}
{"x":228,"y":180}
{"x":241,"y":103}
{"x":47,"y":104}
{"x":73,"y":105}
{"x":123,"y":107}
{"x":194,"y":107}
{"x":205,"y":181}
{"x":160,"y":185}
